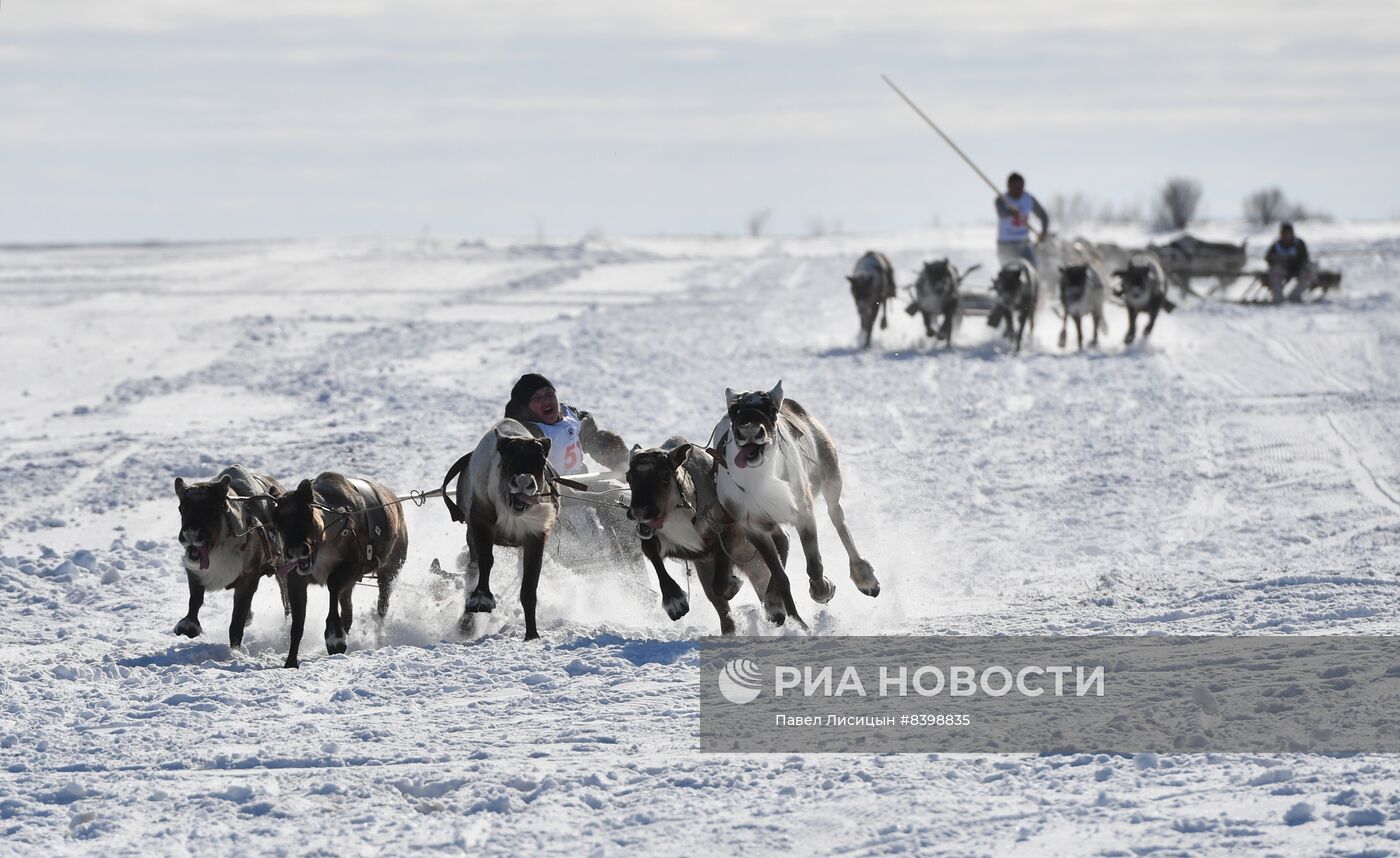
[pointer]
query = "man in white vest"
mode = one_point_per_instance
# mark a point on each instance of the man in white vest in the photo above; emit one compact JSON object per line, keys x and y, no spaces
{"x":1014,"y":210}
{"x":591,"y":535}
{"x":572,"y":433}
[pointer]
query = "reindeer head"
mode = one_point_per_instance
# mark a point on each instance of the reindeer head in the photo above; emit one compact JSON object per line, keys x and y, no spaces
{"x":301,"y":527}
{"x":862,"y":287}
{"x":202,"y":511}
{"x":523,"y":479}
{"x":1074,"y":283}
{"x":652,"y":477}
{"x":937,"y":278}
{"x":1009,"y":282}
{"x":753,"y":420}
{"x":1138,"y":283}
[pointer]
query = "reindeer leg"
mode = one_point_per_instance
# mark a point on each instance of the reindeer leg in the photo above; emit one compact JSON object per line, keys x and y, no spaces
{"x":672,"y":597}
{"x":189,"y":625}
{"x":242,"y":609}
{"x":862,"y":573}
{"x":1132,"y":327}
{"x":282,"y":590}
{"x":777,"y":602}
{"x":709,"y":571}
{"x":296,"y":594}
{"x":347,"y":608}
{"x":1079,"y":331}
{"x":336,"y":633}
{"x":532,"y":553}
{"x":1153,"y":309}
{"x":735,"y":544}
{"x":819,"y":587}
{"x":479,"y":599}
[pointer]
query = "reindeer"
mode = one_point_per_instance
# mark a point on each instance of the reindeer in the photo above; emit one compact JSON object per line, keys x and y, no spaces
{"x":229,"y":543}
{"x":872,"y":285}
{"x":1143,"y":290}
{"x":1081,"y":294}
{"x":336,"y":530}
{"x":676,"y":506}
{"x":507,"y":497}
{"x":774,"y":459}
{"x":1017,"y":290}
{"x":936,"y":295}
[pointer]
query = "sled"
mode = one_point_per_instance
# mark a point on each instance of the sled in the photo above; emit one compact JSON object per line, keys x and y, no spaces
{"x":977,"y":303}
{"x":593,"y":532}
{"x":1257,"y":293}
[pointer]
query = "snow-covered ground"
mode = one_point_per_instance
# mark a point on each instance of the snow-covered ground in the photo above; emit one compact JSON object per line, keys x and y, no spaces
{"x":1238,"y":474}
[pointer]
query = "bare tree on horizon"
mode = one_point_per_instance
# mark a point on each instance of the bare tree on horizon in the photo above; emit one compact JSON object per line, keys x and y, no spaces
{"x":1266,"y":206}
{"x":1176,"y":203}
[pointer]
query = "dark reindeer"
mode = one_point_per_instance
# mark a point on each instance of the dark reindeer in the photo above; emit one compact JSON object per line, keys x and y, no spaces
{"x":936,"y":295}
{"x":1081,"y":294}
{"x":676,"y":506}
{"x":229,"y":543}
{"x":335,"y":531}
{"x":1143,"y":290}
{"x":1017,"y":290}
{"x":506,"y":497}
{"x":872,"y":285}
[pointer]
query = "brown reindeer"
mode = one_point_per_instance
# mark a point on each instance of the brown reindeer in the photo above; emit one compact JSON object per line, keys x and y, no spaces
{"x":335,"y":530}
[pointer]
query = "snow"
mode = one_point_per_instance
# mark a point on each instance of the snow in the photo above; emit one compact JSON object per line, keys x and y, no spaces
{"x":1237,"y":474}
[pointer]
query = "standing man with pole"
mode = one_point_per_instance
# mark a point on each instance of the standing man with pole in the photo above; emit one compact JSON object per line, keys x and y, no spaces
{"x":1014,"y":210}
{"x":1014,"y":206}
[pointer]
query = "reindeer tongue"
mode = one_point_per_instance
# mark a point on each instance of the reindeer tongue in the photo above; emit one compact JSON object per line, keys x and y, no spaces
{"x":286,"y":568}
{"x":203,"y":557}
{"x":747,"y":453}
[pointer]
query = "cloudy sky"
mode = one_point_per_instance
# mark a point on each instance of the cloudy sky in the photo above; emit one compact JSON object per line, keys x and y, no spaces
{"x":195,"y":119}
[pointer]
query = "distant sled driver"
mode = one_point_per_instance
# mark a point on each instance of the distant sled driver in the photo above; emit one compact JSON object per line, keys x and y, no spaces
{"x":1288,"y":260}
{"x":1014,"y":211}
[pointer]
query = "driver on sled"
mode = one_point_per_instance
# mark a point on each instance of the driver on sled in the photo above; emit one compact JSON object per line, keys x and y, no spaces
{"x":571,"y":432}
{"x":586,"y":525}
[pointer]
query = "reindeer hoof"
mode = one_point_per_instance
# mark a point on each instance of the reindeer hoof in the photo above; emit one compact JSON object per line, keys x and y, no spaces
{"x":293,"y":663}
{"x":335,"y":644}
{"x":733,"y":589}
{"x":466,"y":626}
{"x":532,"y":636}
{"x":1128,"y":340}
{"x":821,"y":589}
{"x":676,"y":606}
{"x":863,"y":574}
{"x":1062,"y":339}
{"x":726,"y":626}
{"x":777,"y":617}
{"x":189,"y":628}
{"x":481,"y":602}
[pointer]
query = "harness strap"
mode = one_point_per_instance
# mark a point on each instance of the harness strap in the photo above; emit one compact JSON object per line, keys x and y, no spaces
{"x":376,"y":515}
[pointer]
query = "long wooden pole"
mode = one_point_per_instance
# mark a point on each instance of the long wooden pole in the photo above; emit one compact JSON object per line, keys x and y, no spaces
{"x":961,"y":154}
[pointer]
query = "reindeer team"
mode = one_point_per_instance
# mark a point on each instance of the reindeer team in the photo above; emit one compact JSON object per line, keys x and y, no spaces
{"x":722,"y":506}
{"x":1082,"y":287}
